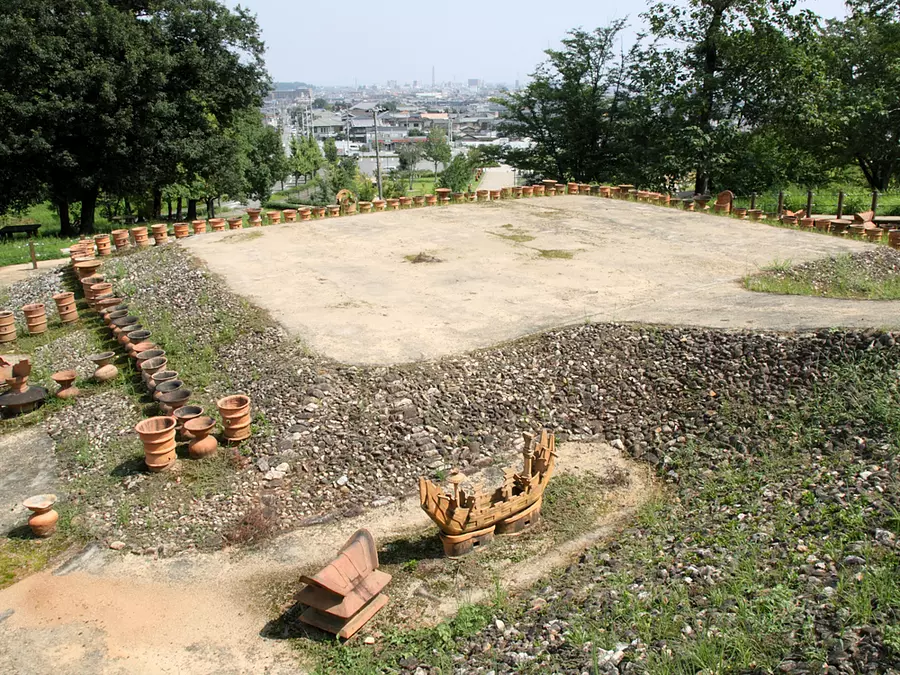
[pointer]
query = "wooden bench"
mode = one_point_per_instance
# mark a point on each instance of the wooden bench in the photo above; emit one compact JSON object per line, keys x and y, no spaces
{"x":8,"y":231}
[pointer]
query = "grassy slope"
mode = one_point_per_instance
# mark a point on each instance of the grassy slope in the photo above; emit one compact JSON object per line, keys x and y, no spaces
{"x":845,"y":280}
{"x":743,"y":605}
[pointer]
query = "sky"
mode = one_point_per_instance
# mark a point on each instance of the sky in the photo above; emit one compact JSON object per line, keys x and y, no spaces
{"x":355,"y":42}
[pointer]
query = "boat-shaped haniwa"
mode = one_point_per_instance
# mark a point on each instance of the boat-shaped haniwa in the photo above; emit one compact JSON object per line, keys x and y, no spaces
{"x":461,"y":512}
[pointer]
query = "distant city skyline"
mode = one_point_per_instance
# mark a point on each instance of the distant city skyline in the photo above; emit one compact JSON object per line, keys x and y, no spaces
{"x":364,"y":43}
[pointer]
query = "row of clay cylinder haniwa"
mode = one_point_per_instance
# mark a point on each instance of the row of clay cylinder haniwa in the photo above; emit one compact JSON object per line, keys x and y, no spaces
{"x":36,"y":317}
{"x":158,"y":434}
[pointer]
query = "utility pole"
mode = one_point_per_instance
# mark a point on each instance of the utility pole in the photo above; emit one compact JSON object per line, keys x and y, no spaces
{"x":375,"y":112}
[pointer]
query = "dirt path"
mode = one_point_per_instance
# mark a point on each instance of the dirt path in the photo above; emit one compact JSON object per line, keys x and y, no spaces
{"x":513,"y":268}
{"x":10,"y":274}
{"x":104,"y":612}
{"x":496,"y":178}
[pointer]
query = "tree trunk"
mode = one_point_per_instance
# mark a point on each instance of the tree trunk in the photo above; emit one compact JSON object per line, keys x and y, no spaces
{"x":192,"y":210}
{"x":169,"y":202}
{"x":157,"y":204}
{"x":211,"y":207}
{"x":178,"y":211}
{"x":65,"y":220}
{"x":88,"y":209}
{"x":709,"y":49}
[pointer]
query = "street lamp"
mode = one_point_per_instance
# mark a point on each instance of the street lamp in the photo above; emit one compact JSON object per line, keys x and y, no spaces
{"x":375,"y":112}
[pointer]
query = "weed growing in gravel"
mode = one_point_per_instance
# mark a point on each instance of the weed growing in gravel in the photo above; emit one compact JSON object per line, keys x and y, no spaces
{"x":775,"y":552}
{"x":873,"y":275}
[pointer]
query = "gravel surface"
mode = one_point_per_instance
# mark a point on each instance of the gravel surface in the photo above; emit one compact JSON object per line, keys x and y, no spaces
{"x":867,"y":274}
{"x":333,"y":440}
{"x":40,"y":288}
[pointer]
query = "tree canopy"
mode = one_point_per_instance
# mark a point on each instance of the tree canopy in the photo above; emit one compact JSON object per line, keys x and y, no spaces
{"x":130,"y":98}
{"x":714,"y":94}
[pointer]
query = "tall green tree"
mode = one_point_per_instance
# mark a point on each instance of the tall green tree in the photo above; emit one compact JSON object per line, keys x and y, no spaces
{"x":410,"y":154}
{"x":331,"y":151}
{"x":457,"y":175}
{"x":849,"y":113}
{"x":436,"y":148}
{"x":570,"y":110}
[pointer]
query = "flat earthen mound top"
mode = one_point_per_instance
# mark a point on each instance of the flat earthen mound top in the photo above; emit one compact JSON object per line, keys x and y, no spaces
{"x":354,"y":289}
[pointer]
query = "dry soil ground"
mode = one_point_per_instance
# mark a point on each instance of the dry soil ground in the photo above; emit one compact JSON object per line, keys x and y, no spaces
{"x":104,"y":612}
{"x":513,"y":268}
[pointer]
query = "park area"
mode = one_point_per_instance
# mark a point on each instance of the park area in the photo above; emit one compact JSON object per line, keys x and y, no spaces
{"x":719,"y":395}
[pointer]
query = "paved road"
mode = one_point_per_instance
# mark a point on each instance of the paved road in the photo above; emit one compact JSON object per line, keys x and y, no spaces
{"x":496,"y":178}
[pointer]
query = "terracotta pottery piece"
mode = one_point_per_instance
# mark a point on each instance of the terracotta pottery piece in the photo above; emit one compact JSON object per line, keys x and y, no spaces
{"x":305,"y":214}
{"x":158,"y":436}
{"x":7,"y":326}
{"x":379,"y":204}
{"x":469,"y":196}
{"x":86,"y":268}
{"x":198,"y":226}
{"x":104,"y":246}
{"x":894,"y":238}
{"x":274,"y":217}
{"x":443,"y":195}
{"x":65,"y":308}
{"x":184,"y":414}
{"x":108,"y":305}
{"x":365,"y":207}
{"x":319,"y":211}
{"x":137,"y":335}
{"x":106,"y":371}
{"x":495,"y":195}
{"x":135,"y":349}
{"x":146,"y":355}
{"x":290,"y":215}
{"x":517,"y":192}
{"x":253,"y":212}
{"x":345,"y":594}
{"x":235,"y":223}
{"x":173,"y":400}
{"x":161,"y":376}
{"x":115,"y":314}
{"x":527,"y":190}
{"x":419,"y":200}
{"x":161,"y":238}
{"x":254,"y":221}
{"x":122,"y":323}
{"x":405,"y":202}
{"x":43,"y":518}
{"x":139,"y":234}
{"x":202,"y":444}
{"x":66,"y":381}
{"x":217,"y":225}
{"x":430,"y":200}
{"x":166,"y":387}
{"x":393,"y":204}
{"x":235,"y":413}
{"x":334,"y":210}
{"x":151,"y":366}
{"x":183,"y":230}
{"x":458,"y":197}
{"x":99,"y":290}
{"x":35,"y":318}
{"x":121,"y":239}
{"x":483,"y":195}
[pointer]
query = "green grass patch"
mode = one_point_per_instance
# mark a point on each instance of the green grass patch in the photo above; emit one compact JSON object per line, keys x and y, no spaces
{"x":556,"y":254}
{"x":514,"y":234}
{"x":836,"y":277}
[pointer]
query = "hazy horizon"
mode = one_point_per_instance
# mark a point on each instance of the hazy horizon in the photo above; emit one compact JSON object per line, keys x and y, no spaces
{"x":365,"y":44}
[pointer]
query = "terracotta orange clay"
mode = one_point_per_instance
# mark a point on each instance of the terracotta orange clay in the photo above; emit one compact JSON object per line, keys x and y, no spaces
{"x":7,"y":326}
{"x":345,"y":594}
{"x":158,"y":436}
{"x":105,"y":369}
{"x":65,"y":307}
{"x":35,"y":318}
{"x":203,"y":444}
{"x":235,"y":413}
{"x":43,"y":519}
{"x":66,"y":380}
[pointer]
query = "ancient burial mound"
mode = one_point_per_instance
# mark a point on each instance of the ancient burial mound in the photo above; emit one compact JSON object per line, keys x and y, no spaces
{"x":767,"y":443}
